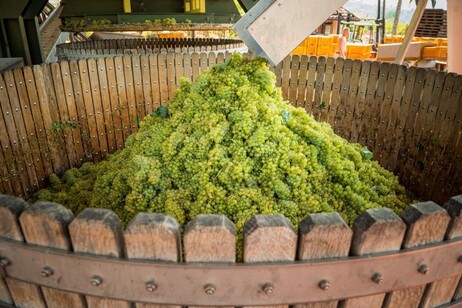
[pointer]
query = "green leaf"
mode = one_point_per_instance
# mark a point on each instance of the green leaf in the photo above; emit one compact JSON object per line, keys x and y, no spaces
{"x":367,"y":154}
{"x":162,"y":112}
{"x":285,"y":116}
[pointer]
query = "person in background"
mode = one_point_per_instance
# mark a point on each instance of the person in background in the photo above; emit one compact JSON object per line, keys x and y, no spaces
{"x":340,"y":50}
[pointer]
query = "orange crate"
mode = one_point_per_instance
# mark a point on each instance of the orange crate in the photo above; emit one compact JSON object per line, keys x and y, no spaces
{"x":430,"y":53}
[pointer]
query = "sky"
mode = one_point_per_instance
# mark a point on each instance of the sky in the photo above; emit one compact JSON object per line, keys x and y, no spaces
{"x":440,"y":4}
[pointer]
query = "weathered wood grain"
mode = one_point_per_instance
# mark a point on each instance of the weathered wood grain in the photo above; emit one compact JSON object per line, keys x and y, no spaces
{"x":360,"y":102}
{"x":302,"y":74}
{"x":310,"y":86}
{"x":285,"y":76}
{"x":442,"y":291}
{"x":45,"y":224}
{"x":375,"y":231}
{"x":318,"y":105}
{"x":152,"y":236}
{"x":22,"y":294}
{"x":327,"y":89}
{"x":321,"y":236}
{"x":294,"y":79}
{"x":426,"y":224}
{"x":130,"y":89}
{"x":351,"y":101}
{"x":109,"y":242}
{"x":269,"y":238}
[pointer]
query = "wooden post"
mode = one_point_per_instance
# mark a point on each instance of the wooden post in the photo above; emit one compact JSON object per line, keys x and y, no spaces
{"x":321,"y":236}
{"x":152,"y":236}
{"x":410,"y":31}
{"x":45,"y":224}
{"x":269,"y":238}
{"x":441,"y":291}
{"x":210,"y":238}
{"x":22,"y":294}
{"x":375,"y":231}
{"x":108,"y":242}
{"x":426,"y":224}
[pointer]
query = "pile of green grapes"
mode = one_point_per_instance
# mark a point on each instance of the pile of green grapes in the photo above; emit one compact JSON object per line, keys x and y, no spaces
{"x":229,"y":144}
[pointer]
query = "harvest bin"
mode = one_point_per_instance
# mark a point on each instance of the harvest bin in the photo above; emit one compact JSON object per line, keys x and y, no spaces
{"x":408,"y":117}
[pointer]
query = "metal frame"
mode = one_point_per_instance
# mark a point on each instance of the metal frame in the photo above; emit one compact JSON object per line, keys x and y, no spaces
{"x":229,"y":284}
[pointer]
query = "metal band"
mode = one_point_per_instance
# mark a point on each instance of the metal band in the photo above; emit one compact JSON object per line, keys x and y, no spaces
{"x":230,"y":284}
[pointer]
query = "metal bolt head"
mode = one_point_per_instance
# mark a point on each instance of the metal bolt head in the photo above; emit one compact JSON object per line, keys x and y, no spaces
{"x":377,"y":278}
{"x":96,"y":280}
{"x":209,"y":289}
{"x":151,"y":286}
{"x":423,"y":269}
{"x":46,"y":271}
{"x":4,"y":262}
{"x":324,"y":285}
{"x":268,"y":288}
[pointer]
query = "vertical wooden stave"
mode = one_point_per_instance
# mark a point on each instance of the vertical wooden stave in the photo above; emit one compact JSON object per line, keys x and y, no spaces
{"x":22,"y":294}
{"x":211,"y":239}
{"x":110,"y":242}
{"x":122,"y":106}
{"x":294,"y":79}
{"x":426,"y":224}
{"x":285,"y":76}
{"x":375,"y":231}
{"x":45,"y":224}
{"x":352,"y":100}
{"x":300,"y":100}
{"x":152,"y":236}
{"x":327,"y":89}
{"x":138,"y":86}
{"x":311,"y":84}
{"x":318,"y":88}
{"x":130,"y":92}
{"x":146,"y":81}
{"x":269,"y":238}
{"x":335,"y":96}
{"x":163,"y":83}
{"x":321,"y":236}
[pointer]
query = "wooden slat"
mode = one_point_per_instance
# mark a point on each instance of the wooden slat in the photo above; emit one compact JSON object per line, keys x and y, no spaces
{"x":152,"y":236}
{"x":122,"y":106}
{"x":449,"y":133}
{"x":171,"y":79}
{"x":321,"y":236}
{"x":195,"y":58}
{"x":352,"y":99}
{"x":114,"y":111}
{"x":72,"y":111}
{"x":436,"y":144}
{"x":327,"y":89}
{"x":187,"y":69}
{"x":360,"y":102}
{"x":5,"y":179}
{"x":23,"y":294}
{"x":300,"y":100}
{"x":426,"y":224}
{"x":312,"y":66}
{"x":294,"y":79}
{"x":146,"y":82}
{"x":82,"y":124}
{"x":32,"y":140}
{"x":407,"y":153}
{"x":17,"y":132}
{"x":369,"y":104}
{"x":335,"y":96}
{"x":441,"y":291}
{"x":138,"y":85}
{"x":204,"y":63}
{"x":212,"y":60}
{"x":89,"y":110}
{"x":211,"y":239}
{"x":8,"y":146}
{"x":44,"y":103}
{"x":45,"y":224}
{"x":375,"y":231}
{"x":400,"y":127}
{"x":285,"y":76}
{"x":130,"y":90}
{"x":179,"y":68}
{"x":109,"y":242}
{"x":155,"y":87}
{"x":318,"y":88}
{"x":393,"y":118}
{"x":61,"y":130}
{"x":163,"y":83}
{"x":383,"y":136}
{"x":339,"y":124}
{"x":269,"y":238}
{"x":418,"y":151}
{"x":106,"y":108}
{"x":278,"y":72}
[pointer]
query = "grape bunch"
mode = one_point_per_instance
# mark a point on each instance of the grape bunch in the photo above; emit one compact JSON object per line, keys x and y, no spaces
{"x":229,"y":144}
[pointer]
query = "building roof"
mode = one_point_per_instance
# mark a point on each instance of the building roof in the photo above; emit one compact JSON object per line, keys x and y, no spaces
{"x":344,"y":12}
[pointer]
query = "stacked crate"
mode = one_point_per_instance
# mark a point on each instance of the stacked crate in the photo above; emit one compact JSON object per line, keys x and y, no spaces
{"x":433,"y":24}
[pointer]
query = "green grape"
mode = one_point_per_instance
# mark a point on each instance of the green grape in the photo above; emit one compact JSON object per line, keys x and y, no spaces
{"x":229,"y":144}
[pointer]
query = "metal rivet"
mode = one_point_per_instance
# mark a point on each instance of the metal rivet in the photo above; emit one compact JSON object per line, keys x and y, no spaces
{"x":4,"y":262}
{"x":209,"y":289}
{"x":151,"y":286}
{"x":377,"y":278}
{"x":46,"y":271}
{"x":268,"y":288}
{"x":423,"y":269}
{"x":96,"y":280}
{"x":324,"y":285}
